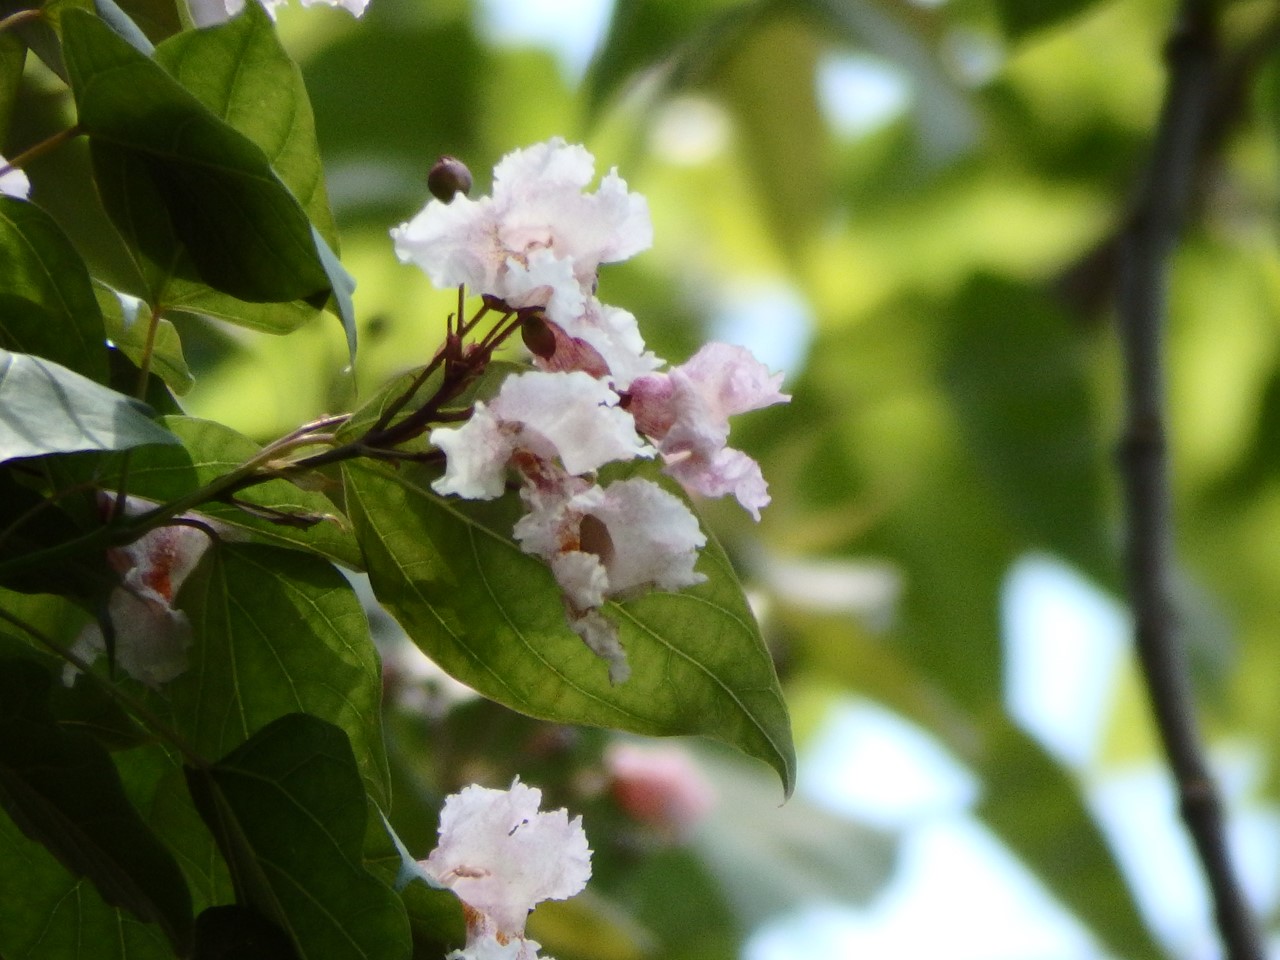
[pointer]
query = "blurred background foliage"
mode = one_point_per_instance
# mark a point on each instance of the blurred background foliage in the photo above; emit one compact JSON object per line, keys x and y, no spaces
{"x":908,"y":207}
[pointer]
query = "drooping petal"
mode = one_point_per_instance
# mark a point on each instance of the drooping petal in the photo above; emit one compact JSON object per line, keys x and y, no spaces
{"x":477,"y":455}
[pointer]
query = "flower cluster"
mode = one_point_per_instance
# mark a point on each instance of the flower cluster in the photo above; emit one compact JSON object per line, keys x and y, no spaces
{"x":598,"y":396}
{"x":502,"y":857}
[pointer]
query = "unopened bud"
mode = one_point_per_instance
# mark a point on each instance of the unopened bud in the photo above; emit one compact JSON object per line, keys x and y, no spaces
{"x":449,"y":177}
{"x":537,"y":336}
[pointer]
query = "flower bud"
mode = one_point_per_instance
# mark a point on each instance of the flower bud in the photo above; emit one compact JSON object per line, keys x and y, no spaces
{"x":449,"y":177}
{"x":537,"y":336}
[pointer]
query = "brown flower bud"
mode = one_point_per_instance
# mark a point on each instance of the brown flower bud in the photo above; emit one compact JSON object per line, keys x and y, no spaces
{"x":449,"y":177}
{"x":537,"y":336}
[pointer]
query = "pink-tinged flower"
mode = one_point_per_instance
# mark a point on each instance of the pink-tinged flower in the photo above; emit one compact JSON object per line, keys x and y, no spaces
{"x":502,"y":857}
{"x":686,"y":413}
{"x":151,"y":637}
{"x":572,"y":418}
{"x":660,"y":786}
{"x":539,"y":239}
{"x":14,"y":183}
{"x":610,"y":542}
{"x":604,"y":341}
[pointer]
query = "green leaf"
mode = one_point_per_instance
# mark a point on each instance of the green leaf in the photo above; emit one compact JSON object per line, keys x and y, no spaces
{"x":683,"y":40}
{"x":123,"y":26}
{"x":1018,"y":378}
{"x":244,"y":231}
{"x":46,"y":408}
{"x":239,"y":71}
{"x":13,"y":55}
{"x":61,"y":788}
{"x":48,"y":307}
{"x":48,"y":914}
{"x":126,"y":321}
{"x":276,"y":632}
{"x":767,"y":82}
{"x":289,"y":812}
{"x":493,"y":617}
{"x":772,"y":859}
{"x":1020,"y":18}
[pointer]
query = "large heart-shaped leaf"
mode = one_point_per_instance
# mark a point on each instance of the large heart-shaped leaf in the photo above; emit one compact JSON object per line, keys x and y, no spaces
{"x":289,"y":812}
{"x":277,"y":631}
{"x":61,"y":788}
{"x":46,"y":408}
{"x":492,"y":616}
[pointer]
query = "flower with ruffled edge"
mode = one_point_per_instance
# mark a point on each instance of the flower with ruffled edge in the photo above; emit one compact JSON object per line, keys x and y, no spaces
{"x":572,"y":418}
{"x":609,"y":543}
{"x":686,"y":411}
{"x":502,"y":857}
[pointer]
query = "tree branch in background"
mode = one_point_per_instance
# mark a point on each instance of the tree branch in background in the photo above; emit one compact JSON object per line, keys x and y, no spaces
{"x":1087,"y":285}
{"x":1143,"y":249}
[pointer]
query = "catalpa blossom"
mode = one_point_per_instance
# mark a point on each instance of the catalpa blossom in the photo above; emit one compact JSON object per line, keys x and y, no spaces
{"x":536,"y":245}
{"x":686,"y":413}
{"x":151,"y":637}
{"x":539,"y":241}
{"x":610,"y":542}
{"x":571,"y":417}
{"x":502,"y":857}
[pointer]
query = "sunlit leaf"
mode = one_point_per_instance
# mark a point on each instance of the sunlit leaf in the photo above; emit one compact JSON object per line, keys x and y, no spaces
{"x":126,"y":321}
{"x":276,"y":632}
{"x":62,"y":789}
{"x":492,"y":616}
{"x":288,"y":811}
{"x":46,"y":408}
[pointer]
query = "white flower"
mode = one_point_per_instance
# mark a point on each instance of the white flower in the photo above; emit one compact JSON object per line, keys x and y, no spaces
{"x":611,"y":542}
{"x":489,"y":947}
{"x":686,"y":413}
{"x":502,"y":857}
{"x":539,"y":239}
{"x":570,"y":417}
{"x":208,"y":13}
{"x":14,"y":183}
{"x":151,"y":637}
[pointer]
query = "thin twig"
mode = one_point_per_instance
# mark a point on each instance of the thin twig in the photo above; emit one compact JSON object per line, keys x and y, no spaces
{"x":1143,"y":251}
